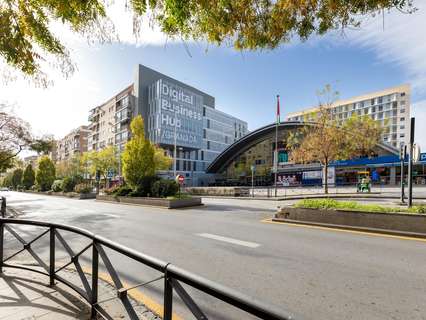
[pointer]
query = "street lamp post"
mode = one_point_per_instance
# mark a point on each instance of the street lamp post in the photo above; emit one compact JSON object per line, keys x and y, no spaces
{"x":174,"y":148}
{"x":410,"y":164}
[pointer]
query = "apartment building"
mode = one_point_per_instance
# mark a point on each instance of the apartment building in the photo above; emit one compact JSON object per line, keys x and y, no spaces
{"x":73,"y":143}
{"x":389,"y":107}
{"x":172,"y":111}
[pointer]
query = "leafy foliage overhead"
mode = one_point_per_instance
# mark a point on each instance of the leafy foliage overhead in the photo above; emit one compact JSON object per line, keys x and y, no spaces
{"x":27,"y":39}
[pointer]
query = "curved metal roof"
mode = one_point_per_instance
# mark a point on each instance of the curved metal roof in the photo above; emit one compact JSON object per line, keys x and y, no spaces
{"x":251,"y":139}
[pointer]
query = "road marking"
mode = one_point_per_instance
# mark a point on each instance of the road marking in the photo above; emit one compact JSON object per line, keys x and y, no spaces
{"x":229,"y":240}
{"x":343,"y":230}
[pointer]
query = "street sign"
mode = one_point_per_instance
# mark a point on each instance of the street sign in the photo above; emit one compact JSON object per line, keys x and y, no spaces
{"x":180,"y":179}
{"x":416,"y":152}
{"x":110,"y":173}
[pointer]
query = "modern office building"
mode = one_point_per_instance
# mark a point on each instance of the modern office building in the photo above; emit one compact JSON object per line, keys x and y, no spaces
{"x":173,"y":112}
{"x":390,"y":107}
{"x":73,"y":143}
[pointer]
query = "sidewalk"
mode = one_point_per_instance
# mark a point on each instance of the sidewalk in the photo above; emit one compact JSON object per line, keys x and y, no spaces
{"x":26,"y":295}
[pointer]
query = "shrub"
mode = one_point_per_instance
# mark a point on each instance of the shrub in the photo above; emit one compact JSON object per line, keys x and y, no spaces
{"x":122,"y":191}
{"x":57,"y":186}
{"x":45,"y":173}
{"x":82,"y":188}
{"x":69,"y":183}
{"x":145,"y":187}
{"x":332,"y":204}
{"x":164,"y":188}
{"x":17,"y":178}
{"x":29,"y":177}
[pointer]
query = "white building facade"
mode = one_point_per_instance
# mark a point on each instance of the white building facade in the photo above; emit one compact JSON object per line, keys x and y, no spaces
{"x":389,"y":107}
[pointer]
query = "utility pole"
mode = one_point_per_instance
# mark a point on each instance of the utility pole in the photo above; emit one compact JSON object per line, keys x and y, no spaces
{"x":410,"y":163}
{"x":276,"y":145}
{"x":403,"y":154}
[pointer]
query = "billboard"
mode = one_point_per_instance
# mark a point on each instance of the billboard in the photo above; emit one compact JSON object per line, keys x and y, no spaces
{"x":178,"y":111}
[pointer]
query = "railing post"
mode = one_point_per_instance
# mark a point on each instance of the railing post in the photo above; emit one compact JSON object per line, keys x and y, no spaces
{"x":52,"y":257}
{"x":1,"y":245}
{"x":95,"y":268}
{"x":3,"y":207}
{"x":168,"y":296}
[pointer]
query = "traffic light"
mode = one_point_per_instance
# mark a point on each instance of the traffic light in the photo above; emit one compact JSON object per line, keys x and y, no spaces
{"x":403,"y":152}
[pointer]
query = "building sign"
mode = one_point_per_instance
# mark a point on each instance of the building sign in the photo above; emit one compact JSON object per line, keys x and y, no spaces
{"x":178,"y":112}
{"x":422,"y":156}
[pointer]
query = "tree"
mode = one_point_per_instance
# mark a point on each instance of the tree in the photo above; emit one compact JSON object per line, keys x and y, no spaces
{"x":161,"y":160}
{"x":362,"y":135}
{"x":16,"y":178}
{"x":103,"y":161}
{"x":29,"y":177}
{"x":323,"y":140}
{"x":27,"y":39}
{"x":43,"y":145}
{"x":138,"y":156}
{"x":71,"y":167}
{"x":45,"y":173}
{"x":15,"y":135}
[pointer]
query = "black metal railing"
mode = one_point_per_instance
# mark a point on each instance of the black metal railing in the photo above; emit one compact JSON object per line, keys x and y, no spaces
{"x":172,"y":276}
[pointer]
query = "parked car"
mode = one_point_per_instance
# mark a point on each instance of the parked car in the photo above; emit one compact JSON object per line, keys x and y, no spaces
{"x":4,"y":189}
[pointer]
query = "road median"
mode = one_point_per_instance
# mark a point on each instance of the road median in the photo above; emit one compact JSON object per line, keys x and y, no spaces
{"x":402,"y":224}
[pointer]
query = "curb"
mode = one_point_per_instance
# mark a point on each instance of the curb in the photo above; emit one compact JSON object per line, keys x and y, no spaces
{"x":352,"y":228}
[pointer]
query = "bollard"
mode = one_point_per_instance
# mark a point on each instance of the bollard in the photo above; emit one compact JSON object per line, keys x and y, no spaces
{"x":3,"y":207}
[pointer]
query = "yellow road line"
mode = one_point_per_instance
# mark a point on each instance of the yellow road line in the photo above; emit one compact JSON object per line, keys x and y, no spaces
{"x":150,"y":303}
{"x":344,"y":230}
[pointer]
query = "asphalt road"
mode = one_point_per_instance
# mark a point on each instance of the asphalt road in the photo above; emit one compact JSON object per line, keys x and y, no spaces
{"x":314,"y":273}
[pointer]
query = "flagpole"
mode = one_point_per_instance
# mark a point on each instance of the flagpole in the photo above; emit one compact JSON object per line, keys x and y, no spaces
{"x":276,"y":144}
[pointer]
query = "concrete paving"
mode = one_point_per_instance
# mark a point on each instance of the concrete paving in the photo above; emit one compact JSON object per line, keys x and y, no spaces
{"x":314,"y":273}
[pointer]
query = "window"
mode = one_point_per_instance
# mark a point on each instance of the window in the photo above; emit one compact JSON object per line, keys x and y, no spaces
{"x":208,"y":145}
{"x":204,"y":111}
{"x":402,"y":127}
{"x":402,"y":94}
{"x":204,"y":133}
{"x":381,"y":108}
{"x":208,"y":123}
{"x":402,"y":110}
{"x":402,"y":135}
{"x":373,"y":109}
{"x":402,"y":119}
{"x":402,"y":102}
{"x":202,"y":155}
{"x":380,"y":99}
{"x":372,"y":101}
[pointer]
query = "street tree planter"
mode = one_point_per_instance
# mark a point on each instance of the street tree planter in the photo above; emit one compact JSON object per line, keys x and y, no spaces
{"x":404,"y":222}
{"x":158,"y":202}
{"x":75,"y":195}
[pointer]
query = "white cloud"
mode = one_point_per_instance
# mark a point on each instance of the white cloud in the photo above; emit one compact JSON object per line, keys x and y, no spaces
{"x":401,"y":41}
{"x":57,"y":109}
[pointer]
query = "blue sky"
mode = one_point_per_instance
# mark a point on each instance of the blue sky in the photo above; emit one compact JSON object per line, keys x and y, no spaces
{"x":244,"y":83}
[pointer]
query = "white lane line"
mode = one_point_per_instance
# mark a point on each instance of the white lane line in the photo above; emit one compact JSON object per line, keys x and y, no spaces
{"x":229,"y":240}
